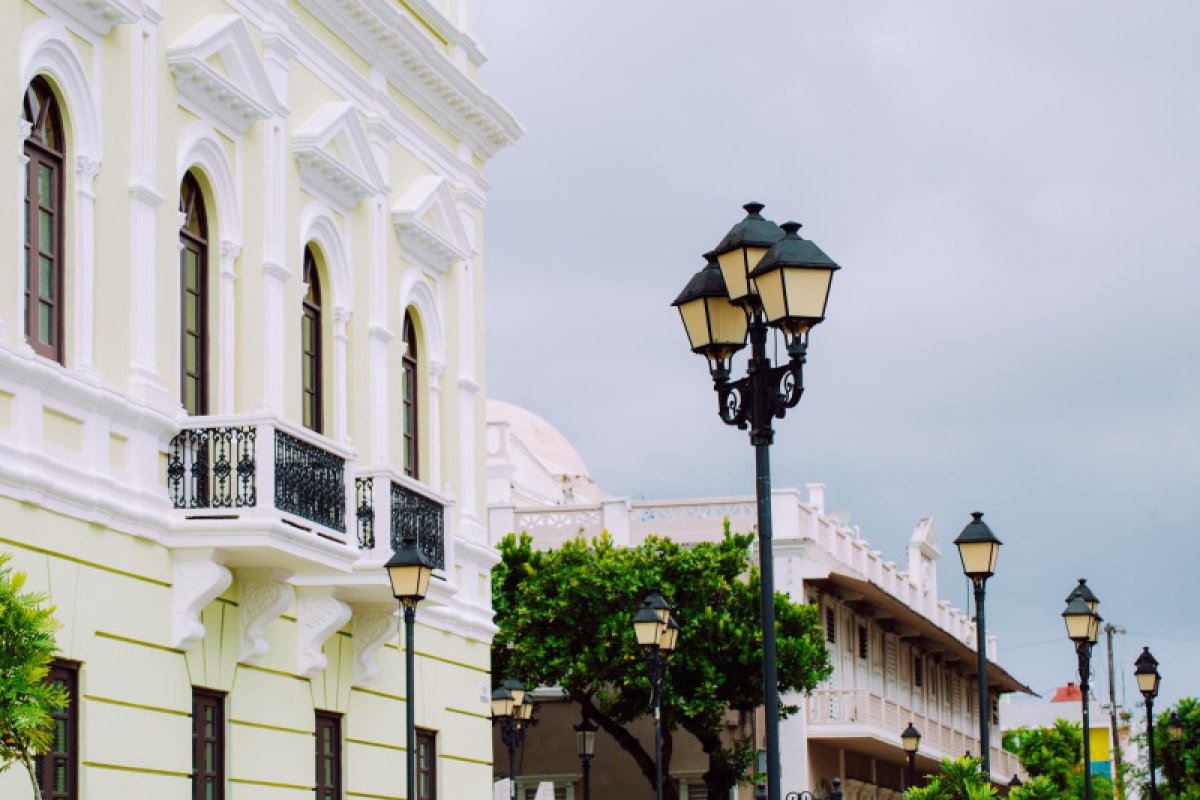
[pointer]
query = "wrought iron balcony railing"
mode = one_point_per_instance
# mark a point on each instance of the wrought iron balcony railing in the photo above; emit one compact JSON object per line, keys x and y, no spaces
{"x":414,"y":517}
{"x":229,"y":467}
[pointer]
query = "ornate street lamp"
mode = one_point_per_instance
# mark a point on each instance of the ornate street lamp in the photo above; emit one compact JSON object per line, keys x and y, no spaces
{"x":657,"y":633}
{"x":761,"y":276}
{"x":585,"y":745}
{"x":978,"y":548}
{"x":409,"y":571}
{"x":911,"y":740}
{"x":513,"y":710}
{"x":1145,"y":669}
{"x":1083,"y":627}
{"x":1015,"y":782}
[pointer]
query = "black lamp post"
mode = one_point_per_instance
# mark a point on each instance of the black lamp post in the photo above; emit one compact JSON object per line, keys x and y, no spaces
{"x":1083,"y":627}
{"x":656,"y":632}
{"x":1175,"y":733}
{"x":911,"y":740}
{"x":978,"y":548}
{"x":409,"y":571}
{"x":512,"y":709}
{"x":1145,"y":669}
{"x":760,"y":276}
{"x":585,"y":744}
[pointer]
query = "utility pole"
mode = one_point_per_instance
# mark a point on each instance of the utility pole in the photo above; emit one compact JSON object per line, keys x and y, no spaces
{"x":1118,"y":783}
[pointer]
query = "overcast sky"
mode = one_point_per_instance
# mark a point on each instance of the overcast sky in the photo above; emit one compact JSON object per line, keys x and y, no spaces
{"x":1012,"y":190}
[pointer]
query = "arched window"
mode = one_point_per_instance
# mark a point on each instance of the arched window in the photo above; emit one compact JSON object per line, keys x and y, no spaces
{"x":193,"y":283}
{"x":44,"y":147}
{"x":310,"y":339}
{"x":408,"y":397}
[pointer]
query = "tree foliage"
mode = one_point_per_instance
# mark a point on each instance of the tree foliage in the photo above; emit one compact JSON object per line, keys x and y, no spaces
{"x":1053,"y":757}
{"x":27,"y":647}
{"x":960,"y":779}
{"x":566,"y":614}
{"x":1178,"y":759}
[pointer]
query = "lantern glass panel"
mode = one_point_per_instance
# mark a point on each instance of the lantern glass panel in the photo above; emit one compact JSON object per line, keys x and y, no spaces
{"x":1147,"y":683}
{"x":979,"y":558}
{"x":736,"y":266}
{"x":409,"y":581}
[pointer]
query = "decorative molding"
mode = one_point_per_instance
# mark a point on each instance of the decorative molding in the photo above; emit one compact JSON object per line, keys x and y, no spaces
{"x":320,"y":615}
{"x":238,"y":95}
{"x":101,"y":16}
{"x":262,"y":597}
{"x":390,"y":38}
{"x":230,"y":251}
{"x":431,"y":231}
{"x":334,"y":157}
{"x":198,"y":578}
{"x":373,"y":626}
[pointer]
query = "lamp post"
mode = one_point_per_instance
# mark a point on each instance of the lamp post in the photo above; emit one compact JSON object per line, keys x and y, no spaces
{"x":585,"y":744}
{"x":657,"y":632}
{"x":911,"y":740}
{"x":1145,"y":669}
{"x":978,"y":548}
{"x":409,"y":571}
{"x":1015,"y":782}
{"x":761,"y":276}
{"x":513,"y":710}
{"x":1175,"y":733}
{"x":1083,"y":627}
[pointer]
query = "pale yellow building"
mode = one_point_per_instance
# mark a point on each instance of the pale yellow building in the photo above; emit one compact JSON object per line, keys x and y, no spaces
{"x":241,"y":354}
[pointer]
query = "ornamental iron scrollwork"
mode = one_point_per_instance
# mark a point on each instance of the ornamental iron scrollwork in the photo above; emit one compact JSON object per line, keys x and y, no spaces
{"x":418,"y":521}
{"x":212,"y":468}
{"x":364,"y":504}
{"x":310,"y":482}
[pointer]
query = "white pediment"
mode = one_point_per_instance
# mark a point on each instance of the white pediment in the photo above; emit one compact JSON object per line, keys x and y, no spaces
{"x":925,"y":537}
{"x":334,"y":157}
{"x":217,"y":67}
{"x":101,"y":16}
{"x":430,"y":229}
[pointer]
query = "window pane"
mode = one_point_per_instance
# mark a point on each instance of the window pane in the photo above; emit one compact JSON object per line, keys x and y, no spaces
{"x":210,"y":789}
{"x":60,"y":736}
{"x":189,"y":268}
{"x":45,"y":277}
{"x":44,"y":330}
{"x":45,"y":231}
{"x":60,"y":774}
{"x":46,"y":185}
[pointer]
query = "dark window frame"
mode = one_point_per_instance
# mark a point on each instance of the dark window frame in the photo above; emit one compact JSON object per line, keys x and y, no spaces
{"x":193,"y":239}
{"x":203,"y":698}
{"x":410,"y":409}
{"x":428,"y":769}
{"x":918,"y":672}
{"x":44,"y":147}
{"x":864,"y":642}
{"x":328,"y":781}
{"x":312,"y":359}
{"x":830,"y":625}
{"x":66,"y":672}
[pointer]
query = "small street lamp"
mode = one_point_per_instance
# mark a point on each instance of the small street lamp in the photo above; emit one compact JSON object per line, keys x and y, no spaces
{"x":978,"y":548}
{"x":510,"y":709}
{"x":1083,"y":628}
{"x":761,"y":276}
{"x":1145,"y":669}
{"x":1175,"y":734}
{"x":657,"y":633}
{"x":409,"y":571}
{"x":1015,"y":782}
{"x":585,"y":745}
{"x":911,"y":740}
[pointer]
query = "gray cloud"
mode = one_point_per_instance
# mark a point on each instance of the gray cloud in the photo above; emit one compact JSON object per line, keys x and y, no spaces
{"x":1012,"y":190}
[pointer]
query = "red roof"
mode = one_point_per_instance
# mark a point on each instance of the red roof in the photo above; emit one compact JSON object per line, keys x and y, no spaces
{"x":1067,"y":693}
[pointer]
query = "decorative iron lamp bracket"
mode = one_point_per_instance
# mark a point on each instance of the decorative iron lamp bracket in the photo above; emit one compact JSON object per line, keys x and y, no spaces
{"x":767,"y":391}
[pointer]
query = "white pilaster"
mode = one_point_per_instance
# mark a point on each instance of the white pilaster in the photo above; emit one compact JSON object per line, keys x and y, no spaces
{"x":227,"y":334}
{"x":24,"y":128}
{"x":341,"y":316}
{"x":377,"y":382}
{"x":84,"y":303}
{"x":436,"y":368}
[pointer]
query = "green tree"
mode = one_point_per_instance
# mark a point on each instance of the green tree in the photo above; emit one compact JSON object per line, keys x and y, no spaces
{"x":1055,"y":754}
{"x":1178,"y":759}
{"x":27,"y":647}
{"x":960,"y":779}
{"x":566,"y":614}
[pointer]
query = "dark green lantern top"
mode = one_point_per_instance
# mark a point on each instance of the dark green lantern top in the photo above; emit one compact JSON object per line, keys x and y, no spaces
{"x":978,"y":548}
{"x":792,"y":282}
{"x":715,"y":327}
{"x":742,"y":248}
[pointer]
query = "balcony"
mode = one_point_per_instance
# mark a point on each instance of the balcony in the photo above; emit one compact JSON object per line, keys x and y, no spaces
{"x":412,"y":515}
{"x":226,"y":475}
{"x":861,"y":714}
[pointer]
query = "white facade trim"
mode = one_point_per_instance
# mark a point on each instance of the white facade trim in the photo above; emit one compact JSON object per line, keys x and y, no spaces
{"x":263,"y":595}
{"x":344,"y":179}
{"x":320,"y":615}
{"x":373,"y":626}
{"x":428,"y":223}
{"x":198,"y":578}
{"x":99,"y":17}
{"x":47,"y":48}
{"x":238,"y":98}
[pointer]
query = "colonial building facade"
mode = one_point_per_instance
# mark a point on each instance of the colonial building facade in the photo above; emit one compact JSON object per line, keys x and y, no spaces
{"x":241,"y":358}
{"x":900,"y":653}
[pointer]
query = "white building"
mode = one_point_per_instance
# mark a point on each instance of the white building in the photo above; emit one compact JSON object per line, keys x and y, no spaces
{"x":900,"y":653}
{"x":241,"y":355}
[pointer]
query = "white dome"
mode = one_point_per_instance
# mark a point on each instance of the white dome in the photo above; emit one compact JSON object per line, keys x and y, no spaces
{"x":553,"y":454}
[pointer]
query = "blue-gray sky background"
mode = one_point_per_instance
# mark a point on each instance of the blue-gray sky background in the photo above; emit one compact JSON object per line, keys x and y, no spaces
{"x":1012,"y":189}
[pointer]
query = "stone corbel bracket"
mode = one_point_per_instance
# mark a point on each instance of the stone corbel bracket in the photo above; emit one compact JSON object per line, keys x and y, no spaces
{"x":373,"y":626}
{"x":198,"y":578}
{"x":263,"y":595}
{"x":320,"y":615}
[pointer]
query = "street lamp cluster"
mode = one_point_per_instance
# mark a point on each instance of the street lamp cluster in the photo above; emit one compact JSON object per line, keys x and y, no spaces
{"x":512,"y":708}
{"x":657,"y":632}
